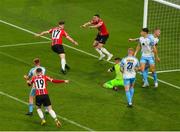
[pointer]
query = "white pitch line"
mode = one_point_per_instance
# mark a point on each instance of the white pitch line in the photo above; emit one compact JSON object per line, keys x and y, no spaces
{"x":63,"y":118}
{"x":166,"y":71}
{"x":23,"y":44}
{"x":26,"y":30}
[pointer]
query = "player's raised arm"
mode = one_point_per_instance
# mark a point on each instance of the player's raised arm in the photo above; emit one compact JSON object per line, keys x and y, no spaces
{"x":71,"y":40}
{"x":97,"y":25}
{"x":133,"y":39}
{"x":41,"y":34}
{"x":86,"y":24}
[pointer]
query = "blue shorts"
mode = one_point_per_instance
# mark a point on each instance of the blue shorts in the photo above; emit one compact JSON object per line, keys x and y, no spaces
{"x":129,"y":81}
{"x":149,"y":60}
{"x":32,"y":92}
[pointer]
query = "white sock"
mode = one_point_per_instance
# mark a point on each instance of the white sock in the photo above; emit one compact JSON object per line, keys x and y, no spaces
{"x":105,"y":51}
{"x":40,"y":113}
{"x":63,"y":63}
{"x":52,"y":113}
{"x":99,"y":51}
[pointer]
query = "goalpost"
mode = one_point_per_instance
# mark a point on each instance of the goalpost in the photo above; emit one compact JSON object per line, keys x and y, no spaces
{"x":165,"y":14}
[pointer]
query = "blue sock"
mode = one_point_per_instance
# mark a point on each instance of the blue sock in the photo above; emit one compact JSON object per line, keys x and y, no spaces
{"x":145,"y":76}
{"x":30,"y":107}
{"x":155,"y":76}
{"x":131,"y":92}
{"x":128,"y":96}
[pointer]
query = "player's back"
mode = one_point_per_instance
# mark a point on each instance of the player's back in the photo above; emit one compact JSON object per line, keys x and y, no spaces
{"x":57,"y":34}
{"x":40,"y":84}
{"x":129,"y":64}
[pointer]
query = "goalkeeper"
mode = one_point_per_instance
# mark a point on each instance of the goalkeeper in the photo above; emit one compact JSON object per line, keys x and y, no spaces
{"x":118,"y":81}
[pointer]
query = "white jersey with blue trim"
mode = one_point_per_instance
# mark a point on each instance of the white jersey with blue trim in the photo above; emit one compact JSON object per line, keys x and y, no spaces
{"x":147,"y":46}
{"x":32,"y":72}
{"x":156,"y":39}
{"x":128,"y":64}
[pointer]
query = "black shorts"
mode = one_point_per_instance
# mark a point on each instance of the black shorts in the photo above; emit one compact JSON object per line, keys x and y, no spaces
{"x":59,"y":49}
{"x":43,"y":99}
{"x":102,"y":38}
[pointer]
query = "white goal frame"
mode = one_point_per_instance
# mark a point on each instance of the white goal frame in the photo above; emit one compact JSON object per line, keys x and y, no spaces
{"x":145,"y":20}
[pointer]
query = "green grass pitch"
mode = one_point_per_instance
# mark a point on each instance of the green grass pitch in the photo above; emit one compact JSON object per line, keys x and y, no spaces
{"x":83,"y":100}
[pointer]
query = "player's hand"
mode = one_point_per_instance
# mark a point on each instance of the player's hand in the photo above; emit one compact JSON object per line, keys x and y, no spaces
{"x":25,"y":77}
{"x":28,"y":83}
{"x":66,"y":81}
{"x":37,"y":35}
{"x":83,"y":26}
{"x":130,"y":40}
{"x":76,"y":43}
{"x":109,"y":70}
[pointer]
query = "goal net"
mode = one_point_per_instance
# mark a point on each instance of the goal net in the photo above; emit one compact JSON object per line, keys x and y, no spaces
{"x":165,"y":14}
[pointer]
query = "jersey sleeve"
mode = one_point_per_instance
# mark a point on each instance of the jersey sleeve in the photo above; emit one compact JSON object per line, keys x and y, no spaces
{"x":32,"y":80}
{"x":122,"y":63}
{"x":137,"y":63}
{"x":64,"y":33}
{"x":48,"y":78}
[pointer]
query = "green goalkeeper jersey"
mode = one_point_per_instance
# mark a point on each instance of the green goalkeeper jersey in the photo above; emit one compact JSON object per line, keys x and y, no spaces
{"x":117,"y":70}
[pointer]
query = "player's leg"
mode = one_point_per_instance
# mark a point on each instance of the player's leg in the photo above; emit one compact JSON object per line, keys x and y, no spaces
{"x":132,"y":82}
{"x":154,"y":74}
{"x":95,"y":43}
{"x":47,"y":103}
{"x":143,"y":62}
{"x":153,"y":70}
{"x":128,"y":95}
{"x":104,"y":50}
{"x":31,"y":99}
{"x":109,"y":84}
{"x":39,"y":101}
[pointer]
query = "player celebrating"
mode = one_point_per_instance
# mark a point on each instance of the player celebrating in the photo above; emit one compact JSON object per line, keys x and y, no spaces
{"x":101,"y":37}
{"x":31,"y":73}
{"x":57,"y":33}
{"x":40,"y":83}
{"x":148,"y":50}
{"x":129,"y":65}
{"x":118,"y":81}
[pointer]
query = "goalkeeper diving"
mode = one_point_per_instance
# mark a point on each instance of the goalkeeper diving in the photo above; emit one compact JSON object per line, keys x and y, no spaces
{"x":118,"y":80}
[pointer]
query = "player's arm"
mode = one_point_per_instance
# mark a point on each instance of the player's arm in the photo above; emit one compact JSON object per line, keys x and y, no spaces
{"x":133,"y":39}
{"x":30,"y":82}
{"x":56,"y":80}
{"x":71,"y":40}
{"x":86,"y":24}
{"x":41,"y":34}
{"x":97,"y":25}
{"x":156,"y":53}
{"x":137,"y":49}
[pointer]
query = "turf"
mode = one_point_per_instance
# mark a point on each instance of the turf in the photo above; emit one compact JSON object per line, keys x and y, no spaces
{"x":83,"y":100}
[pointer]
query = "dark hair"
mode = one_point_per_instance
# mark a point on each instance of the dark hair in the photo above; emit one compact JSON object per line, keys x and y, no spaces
{"x":145,"y":30}
{"x":38,"y":70}
{"x":62,"y":22}
{"x":117,"y":58}
{"x":97,"y":15}
{"x":36,"y":60}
